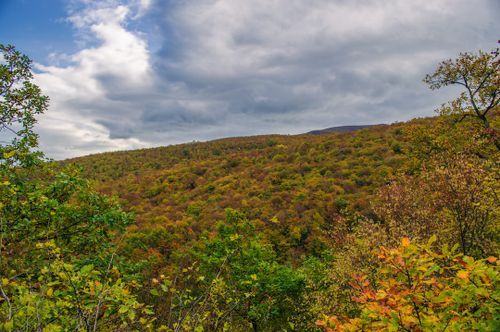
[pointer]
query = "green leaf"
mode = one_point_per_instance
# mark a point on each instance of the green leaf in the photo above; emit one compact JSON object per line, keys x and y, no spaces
{"x":432,"y":239}
{"x":87,"y":269}
{"x":9,"y":326}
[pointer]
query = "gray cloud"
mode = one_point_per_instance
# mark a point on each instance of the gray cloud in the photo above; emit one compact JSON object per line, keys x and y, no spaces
{"x":207,"y":69}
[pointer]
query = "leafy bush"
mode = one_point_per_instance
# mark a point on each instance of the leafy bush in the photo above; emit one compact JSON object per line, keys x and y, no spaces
{"x":420,"y":289}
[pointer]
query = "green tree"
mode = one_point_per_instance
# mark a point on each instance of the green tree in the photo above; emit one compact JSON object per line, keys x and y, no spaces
{"x":232,"y":281}
{"x":20,"y":101}
{"x":57,"y":258}
{"x":479,"y":75}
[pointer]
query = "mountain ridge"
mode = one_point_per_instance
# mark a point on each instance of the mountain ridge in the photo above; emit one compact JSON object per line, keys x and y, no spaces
{"x":316,"y":132}
{"x":341,"y":129}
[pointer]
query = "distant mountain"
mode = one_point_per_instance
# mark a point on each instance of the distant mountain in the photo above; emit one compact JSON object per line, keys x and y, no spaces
{"x":339,"y":129}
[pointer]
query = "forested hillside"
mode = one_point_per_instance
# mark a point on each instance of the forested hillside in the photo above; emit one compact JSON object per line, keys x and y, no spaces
{"x":390,"y":227}
{"x":291,"y":186}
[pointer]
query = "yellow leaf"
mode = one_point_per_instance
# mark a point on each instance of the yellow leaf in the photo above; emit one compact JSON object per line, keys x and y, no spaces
{"x":463,"y":274}
{"x":50,"y":291}
{"x":9,"y":154}
{"x":253,"y":276}
{"x":405,"y":242}
{"x":491,"y":259}
{"x":5,"y":281}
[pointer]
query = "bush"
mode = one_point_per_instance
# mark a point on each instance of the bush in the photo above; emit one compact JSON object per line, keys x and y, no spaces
{"x":420,"y":289}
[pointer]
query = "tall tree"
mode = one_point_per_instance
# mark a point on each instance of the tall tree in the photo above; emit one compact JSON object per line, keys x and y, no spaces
{"x":479,"y":75}
{"x":20,"y":101}
{"x":57,"y":258}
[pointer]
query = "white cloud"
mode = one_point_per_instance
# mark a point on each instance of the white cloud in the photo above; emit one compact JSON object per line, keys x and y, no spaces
{"x":72,"y":123}
{"x":240,"y":67}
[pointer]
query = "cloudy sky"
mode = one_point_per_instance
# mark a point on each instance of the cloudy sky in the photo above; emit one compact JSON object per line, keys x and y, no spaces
{"x":125,"y":74}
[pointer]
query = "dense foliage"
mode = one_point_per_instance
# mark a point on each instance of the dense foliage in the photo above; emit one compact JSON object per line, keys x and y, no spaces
{"x":57,"y":266}
{"x":292,"y":187}
{"x":267,"y":233}
{"x":419,"y":289}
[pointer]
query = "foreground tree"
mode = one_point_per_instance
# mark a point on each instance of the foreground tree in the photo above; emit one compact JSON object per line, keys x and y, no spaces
{"x":20,"y":101}
{"x":479,"y":75}
{"x":230,"y":281}
{"x":451,"y":187}
{"x":57,"y":258}
{"x":458,"y":202}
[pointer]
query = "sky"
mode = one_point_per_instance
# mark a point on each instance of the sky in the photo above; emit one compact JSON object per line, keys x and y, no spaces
{"x":128,"y":74}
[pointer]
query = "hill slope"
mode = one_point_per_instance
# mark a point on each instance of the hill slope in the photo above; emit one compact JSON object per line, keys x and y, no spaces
{"x":292,"y":186}
{"x":280,"y":224}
